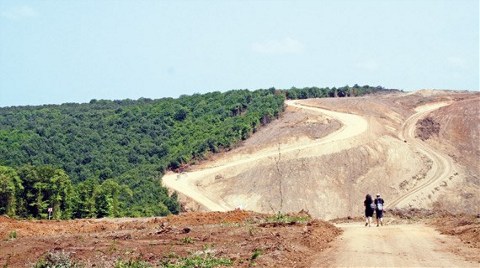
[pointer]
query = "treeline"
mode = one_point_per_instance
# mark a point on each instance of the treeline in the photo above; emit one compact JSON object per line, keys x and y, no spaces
{"x":121,"y":147}
{"x":30,"y":192}
{"x":346,"y":91}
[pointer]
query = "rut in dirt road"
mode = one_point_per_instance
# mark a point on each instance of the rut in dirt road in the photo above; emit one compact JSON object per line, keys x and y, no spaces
{"x":442,"y":165}
{"x":407,"y":245}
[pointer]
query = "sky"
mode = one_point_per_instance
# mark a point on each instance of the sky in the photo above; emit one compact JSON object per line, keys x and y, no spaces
{"x":53,"y":52}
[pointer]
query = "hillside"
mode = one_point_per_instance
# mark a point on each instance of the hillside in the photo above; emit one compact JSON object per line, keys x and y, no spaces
{"x":128,"y":144}
{"x":110,"y":155}
{"x":327,"y":169}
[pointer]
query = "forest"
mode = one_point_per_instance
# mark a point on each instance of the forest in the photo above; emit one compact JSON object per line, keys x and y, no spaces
{"x":106,"y":158}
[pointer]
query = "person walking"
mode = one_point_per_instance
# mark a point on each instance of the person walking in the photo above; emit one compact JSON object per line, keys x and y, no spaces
{"x":369,"y":208}
{"x":379,"y":204}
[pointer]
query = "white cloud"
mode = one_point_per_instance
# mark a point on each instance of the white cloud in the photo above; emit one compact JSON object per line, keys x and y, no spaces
{"x":19,"y":12}
{"x":283,"y":46}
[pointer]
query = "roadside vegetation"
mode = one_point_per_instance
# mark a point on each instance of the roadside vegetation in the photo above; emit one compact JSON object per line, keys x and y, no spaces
{"x":106,"y":158}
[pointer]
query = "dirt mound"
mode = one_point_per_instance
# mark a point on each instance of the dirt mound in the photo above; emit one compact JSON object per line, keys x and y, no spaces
{"x":27,"y":228}
{"x":426,"y":128}
{"x":467,"y":227}
{"x":241,"y":237}
{"x":202,"y":218}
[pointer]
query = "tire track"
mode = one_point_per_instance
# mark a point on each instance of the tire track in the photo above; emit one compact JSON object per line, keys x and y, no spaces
{"x":442,"y":166}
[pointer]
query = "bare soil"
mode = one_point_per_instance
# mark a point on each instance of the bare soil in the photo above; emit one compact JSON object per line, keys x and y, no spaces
{"x":409,"y":237}
{"x":403,"y":245}
{"x":414,"y":148}
{"x":235,"y":235}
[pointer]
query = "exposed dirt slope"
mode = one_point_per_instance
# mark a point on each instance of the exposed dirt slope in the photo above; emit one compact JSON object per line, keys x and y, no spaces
{"x":329,"y":174}
{"x":189,"y":182}
{"x":459,"y":137}
{"x":441,"y":165}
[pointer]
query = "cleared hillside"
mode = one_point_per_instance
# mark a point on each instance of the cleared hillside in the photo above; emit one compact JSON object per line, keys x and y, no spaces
{"x":330,"y":177}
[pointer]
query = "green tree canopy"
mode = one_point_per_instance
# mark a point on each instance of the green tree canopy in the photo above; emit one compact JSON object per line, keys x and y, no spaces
{"x":10,"y":189}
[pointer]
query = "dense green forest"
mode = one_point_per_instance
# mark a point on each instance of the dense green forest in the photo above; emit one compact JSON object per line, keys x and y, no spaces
{"x":106,"y":158}
{"x":126,"y":144}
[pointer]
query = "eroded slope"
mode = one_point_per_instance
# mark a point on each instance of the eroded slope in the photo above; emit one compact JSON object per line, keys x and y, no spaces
{"x":329,"y":177}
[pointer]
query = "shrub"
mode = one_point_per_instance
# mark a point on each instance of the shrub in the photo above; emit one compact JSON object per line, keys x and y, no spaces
{"x":132,"y":264}
{"x":57,"y":259}
{"x":196,"y":261}
{"x":287,"y":218}
{"x":12,"y":235}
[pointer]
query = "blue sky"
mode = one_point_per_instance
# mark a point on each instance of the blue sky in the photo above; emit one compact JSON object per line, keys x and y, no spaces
{"x":72,"y":51}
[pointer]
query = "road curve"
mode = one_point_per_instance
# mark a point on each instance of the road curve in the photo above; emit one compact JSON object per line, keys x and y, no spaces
{"x":442,"y":165}
{"x":187,"y":183}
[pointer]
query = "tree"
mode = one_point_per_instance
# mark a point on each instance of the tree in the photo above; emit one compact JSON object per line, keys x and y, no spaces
{"x":10,"y":188}
{"x":85,"y":199}
{"x":172,"y":203}
{"x":107,"y":199}
{"x":44,"y":187}
{"x":61,"y":195}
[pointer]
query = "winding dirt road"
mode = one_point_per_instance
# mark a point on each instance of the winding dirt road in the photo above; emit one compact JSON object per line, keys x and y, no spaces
{"x":406,"y":245}
{"x":187,"y":183}
{"x":352,"y":125}
{"x":390,"y":245}
{"x":402,"y":245}
{"x":442,"y":165}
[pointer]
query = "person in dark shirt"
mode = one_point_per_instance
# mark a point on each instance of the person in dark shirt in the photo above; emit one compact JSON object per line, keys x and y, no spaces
{"x":379,"y":204}
{"x":369,"y":207}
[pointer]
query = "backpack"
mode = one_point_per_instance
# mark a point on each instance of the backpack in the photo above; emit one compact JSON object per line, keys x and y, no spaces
{"x":379,"y":204}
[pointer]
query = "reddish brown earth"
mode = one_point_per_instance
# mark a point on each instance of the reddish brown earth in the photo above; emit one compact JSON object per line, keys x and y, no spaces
{"x":238,"y":234}
{"x":235,"y":235}
{"x":466,"y":227}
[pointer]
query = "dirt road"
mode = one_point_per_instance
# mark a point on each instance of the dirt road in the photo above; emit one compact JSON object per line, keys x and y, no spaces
{"x":405,"y":245}
{"x":442,"y":165}
{"x":187,"y":183}
{"x":441,"y":172}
